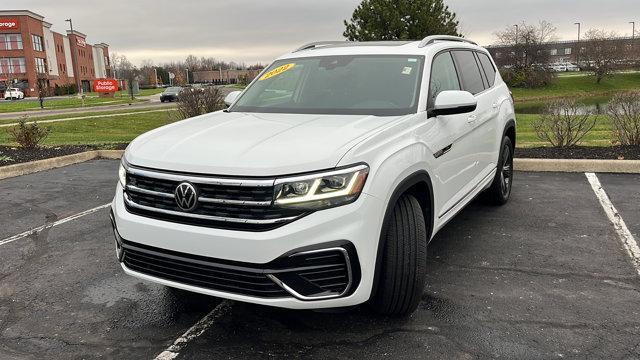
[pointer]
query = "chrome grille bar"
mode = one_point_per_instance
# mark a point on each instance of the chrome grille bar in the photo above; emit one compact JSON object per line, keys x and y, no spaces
{"x":201,"y":199}
{"x":200,"y":179}
{"x":207,"y":217}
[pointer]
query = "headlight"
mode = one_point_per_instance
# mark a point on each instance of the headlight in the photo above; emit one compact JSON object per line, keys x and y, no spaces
{"x":321,"y":190}
{"x":122,"y":175}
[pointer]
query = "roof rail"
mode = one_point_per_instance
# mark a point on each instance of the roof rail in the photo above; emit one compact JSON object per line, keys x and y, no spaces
{"x":432,"y":39}
{"x":318,"y":44}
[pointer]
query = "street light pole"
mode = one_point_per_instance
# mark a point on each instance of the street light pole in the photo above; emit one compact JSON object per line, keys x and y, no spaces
{"x":75,"y":59}
{"x":187,"y":76}
{"x":578,"y":43}
{"x":633,"y":32}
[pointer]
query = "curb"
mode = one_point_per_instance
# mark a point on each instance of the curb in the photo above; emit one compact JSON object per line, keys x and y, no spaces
{"x":578,"y":165}
{"x":534,"y":165}
{"x":47,"y":164}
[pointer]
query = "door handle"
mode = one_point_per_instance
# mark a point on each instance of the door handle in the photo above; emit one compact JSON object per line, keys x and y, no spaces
{"x":471,"y":119}
{"x":495,"y":105}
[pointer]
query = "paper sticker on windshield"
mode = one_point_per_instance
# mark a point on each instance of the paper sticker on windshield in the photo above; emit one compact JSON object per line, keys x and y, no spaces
{"x":412,"y":60}
{"x":407,"y":70}
{"x":277,"y":71}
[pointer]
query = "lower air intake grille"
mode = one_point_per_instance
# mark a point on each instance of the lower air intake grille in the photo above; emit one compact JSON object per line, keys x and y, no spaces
{"x":232,"y":277}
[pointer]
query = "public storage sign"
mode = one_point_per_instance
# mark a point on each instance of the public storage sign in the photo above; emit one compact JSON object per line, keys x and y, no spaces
{"x":105,"y":85}
{"x":9,"y":24}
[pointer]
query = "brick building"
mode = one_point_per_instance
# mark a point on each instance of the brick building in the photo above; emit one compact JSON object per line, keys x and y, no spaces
{"x":30,"y":50}
{"x":224,"y":76}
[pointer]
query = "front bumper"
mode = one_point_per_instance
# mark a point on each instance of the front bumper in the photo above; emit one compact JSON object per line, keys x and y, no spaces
{"x":354,"y":227}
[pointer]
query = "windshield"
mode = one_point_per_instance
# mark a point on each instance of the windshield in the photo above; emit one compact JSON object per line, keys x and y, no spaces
{"x":173,"y":90}
{"x":380,"y":85}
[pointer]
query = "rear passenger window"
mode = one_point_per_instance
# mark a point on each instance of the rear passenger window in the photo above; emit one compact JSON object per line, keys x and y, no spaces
{"x":443,"y":77}
{"x":488,"y":68}
{"x":469,"y":71}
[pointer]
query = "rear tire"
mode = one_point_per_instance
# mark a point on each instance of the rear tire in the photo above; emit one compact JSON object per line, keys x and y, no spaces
{"x":404,"y":260}
{"x":500,"y":190}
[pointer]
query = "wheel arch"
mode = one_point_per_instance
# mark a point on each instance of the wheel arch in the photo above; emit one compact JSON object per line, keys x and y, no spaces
{"x":419,"y":185}
{"x":510,"y":131}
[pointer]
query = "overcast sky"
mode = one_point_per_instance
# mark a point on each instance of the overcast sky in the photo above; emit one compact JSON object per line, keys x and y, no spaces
{"x":257,"y":31}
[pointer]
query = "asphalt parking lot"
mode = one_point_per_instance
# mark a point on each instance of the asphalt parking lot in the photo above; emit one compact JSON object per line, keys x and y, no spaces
{"x":545,"y":276}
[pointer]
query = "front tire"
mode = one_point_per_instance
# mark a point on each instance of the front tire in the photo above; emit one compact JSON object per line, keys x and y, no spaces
{"x":500,"y":190}
{"x":404,"y":260}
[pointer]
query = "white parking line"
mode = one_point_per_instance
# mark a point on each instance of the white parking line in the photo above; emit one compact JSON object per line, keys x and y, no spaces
{"x":196,"y":330}
{"x":50,"y":225}
{"x":627,"y":239}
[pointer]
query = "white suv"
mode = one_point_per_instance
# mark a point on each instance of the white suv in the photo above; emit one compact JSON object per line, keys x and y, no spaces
{"x":324,"y":181}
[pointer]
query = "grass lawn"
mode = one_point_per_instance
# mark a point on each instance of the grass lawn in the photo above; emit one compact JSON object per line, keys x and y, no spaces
{"x":580,"y":86}
{"x":81,"y":114}
{"x":60,"y":103}
{"x":600,"y":135}
{"x":101,"y":131}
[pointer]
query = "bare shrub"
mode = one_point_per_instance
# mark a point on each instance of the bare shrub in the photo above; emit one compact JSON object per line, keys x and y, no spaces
{"x":624,"y":112}
{"x":28,"y":136}
{"x":562,"y":124}
{"x":197,"y":102}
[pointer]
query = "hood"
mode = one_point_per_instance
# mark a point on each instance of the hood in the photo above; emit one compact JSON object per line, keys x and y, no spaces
{"x":252,"y":144}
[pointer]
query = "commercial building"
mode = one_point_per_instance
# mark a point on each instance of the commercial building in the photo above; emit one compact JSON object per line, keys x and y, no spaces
{"x":224,"y":76}
{"x":30,"y":51}
{"x":571,"y":51}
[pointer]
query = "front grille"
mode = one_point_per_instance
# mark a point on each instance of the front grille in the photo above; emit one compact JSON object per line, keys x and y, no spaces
{"x":213,"y":274}
{"x":235,"y":204}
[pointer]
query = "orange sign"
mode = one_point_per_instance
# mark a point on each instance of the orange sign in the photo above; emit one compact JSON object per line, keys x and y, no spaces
{"x":80,"y":42}
{"x":9,"y":24}
{"x":105,"y":85}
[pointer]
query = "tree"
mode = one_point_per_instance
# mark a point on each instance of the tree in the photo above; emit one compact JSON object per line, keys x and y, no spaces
{"x":526,"y":55}
{"x":400,"y":20}
{"x":527,"y":43}
{"x":601,"y":52}
{"x":125,"y":70}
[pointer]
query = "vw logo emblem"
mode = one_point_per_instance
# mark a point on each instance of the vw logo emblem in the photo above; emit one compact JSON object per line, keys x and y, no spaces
{"x":186,"y":196}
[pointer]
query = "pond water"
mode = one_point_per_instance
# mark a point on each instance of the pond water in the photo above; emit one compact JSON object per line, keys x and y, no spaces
{"x":592,"y":105}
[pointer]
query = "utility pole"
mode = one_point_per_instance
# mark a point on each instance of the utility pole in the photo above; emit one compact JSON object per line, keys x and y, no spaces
{"x":74,"y":56}
{"x":578,"y":43}
{"x":516,"y":26}
{"x":187,"y":76}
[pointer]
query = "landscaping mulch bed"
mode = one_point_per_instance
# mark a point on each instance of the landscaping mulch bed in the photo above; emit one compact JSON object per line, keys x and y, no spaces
{"x":14,"y":155}
{"x":581,"y":152}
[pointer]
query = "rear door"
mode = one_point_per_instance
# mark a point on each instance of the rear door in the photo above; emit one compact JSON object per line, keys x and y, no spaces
{"x":488,"y":121}
{"x":449,"y":138}
{"x":481,"y":139}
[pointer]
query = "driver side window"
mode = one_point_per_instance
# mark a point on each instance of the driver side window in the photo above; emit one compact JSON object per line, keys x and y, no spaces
{"x":443,"y":77}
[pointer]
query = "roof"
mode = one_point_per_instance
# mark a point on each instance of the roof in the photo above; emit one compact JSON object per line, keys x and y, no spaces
{"x":21,"y":13}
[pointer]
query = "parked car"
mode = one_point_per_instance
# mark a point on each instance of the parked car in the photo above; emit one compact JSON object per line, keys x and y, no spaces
{"x":13,"y":94}
{"x":324,"y":181}
{"x":170,"y":94}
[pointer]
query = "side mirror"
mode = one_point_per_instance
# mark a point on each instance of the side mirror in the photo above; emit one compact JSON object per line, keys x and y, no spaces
{"x":232,"y":97}
{"x":453,"y":102}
